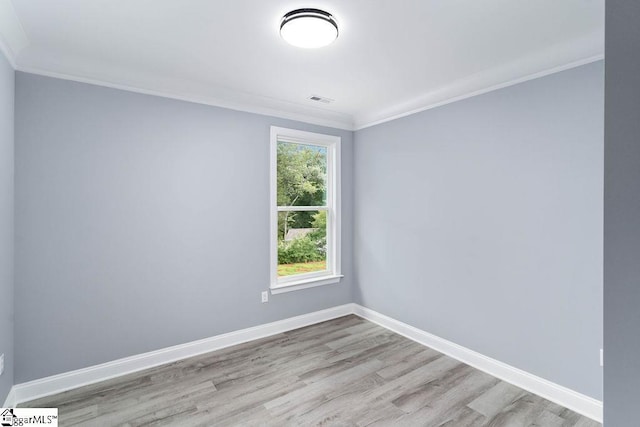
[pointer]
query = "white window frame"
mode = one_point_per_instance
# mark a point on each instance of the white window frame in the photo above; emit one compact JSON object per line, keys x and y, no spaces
{"x":334,"y":218}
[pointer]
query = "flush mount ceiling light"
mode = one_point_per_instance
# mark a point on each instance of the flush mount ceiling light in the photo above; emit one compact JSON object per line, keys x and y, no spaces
{"x":308,"y":28}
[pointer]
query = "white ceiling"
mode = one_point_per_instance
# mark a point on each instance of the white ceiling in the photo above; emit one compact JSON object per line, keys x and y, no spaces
{"x":392,"y":57}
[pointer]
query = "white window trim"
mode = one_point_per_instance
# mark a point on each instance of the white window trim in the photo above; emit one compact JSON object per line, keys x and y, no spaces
{"x":333,"y":274}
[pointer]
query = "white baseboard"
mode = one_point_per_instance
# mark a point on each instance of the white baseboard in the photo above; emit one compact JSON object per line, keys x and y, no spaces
{"x":573,"y":400}
{"x":563,"y":396}
{"x":10,"y":401}
{"x":69,"y":380}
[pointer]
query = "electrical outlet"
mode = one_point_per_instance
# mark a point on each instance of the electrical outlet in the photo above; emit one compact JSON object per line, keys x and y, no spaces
{"x":601,"y":357}
{"x":1,"y":363}
{"x":265,"y":296}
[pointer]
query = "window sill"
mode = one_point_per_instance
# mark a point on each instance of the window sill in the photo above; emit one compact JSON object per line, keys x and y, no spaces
{"x":305,"y":283}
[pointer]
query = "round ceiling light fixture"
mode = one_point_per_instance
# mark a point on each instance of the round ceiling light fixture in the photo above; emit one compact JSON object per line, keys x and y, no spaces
{"x":308,"y":28}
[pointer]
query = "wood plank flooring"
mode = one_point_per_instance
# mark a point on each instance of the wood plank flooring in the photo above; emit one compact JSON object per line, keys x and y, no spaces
{"x":344,"y":372}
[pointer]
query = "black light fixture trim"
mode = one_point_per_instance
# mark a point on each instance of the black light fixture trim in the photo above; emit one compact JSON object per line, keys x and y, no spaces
{"x":309,"y":13}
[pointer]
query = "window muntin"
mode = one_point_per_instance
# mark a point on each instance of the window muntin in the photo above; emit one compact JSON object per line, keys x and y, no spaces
{"x":305,"y":219}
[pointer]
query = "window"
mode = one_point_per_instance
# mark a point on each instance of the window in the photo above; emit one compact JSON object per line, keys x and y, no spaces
{"x":305,"y":209}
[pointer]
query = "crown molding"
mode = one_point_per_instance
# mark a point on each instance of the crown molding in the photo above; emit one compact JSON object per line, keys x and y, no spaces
{"x":250,"y":103}
{"x":13,"y":38}
{"x":7,"y":52}
{"x":363,"y":123}
{"x":458,"y":91}
{"x":569,"y":55}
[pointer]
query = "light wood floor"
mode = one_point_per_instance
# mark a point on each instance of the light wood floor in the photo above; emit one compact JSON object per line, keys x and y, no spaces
{"x":344,"y":372}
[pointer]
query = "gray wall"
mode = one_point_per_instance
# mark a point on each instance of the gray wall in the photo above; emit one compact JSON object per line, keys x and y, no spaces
{"x":481,"y":222}
{"x":141,"y":223}
{"x":6,"y":224}
{"x":622,"y":215}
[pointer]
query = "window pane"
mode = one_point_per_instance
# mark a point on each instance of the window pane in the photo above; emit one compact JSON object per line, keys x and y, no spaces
{"x":302,"y":242}
{"x":302,"y":175}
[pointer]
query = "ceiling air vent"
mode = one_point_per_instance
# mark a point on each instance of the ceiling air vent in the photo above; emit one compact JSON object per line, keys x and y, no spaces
{"x":321,"y":99}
